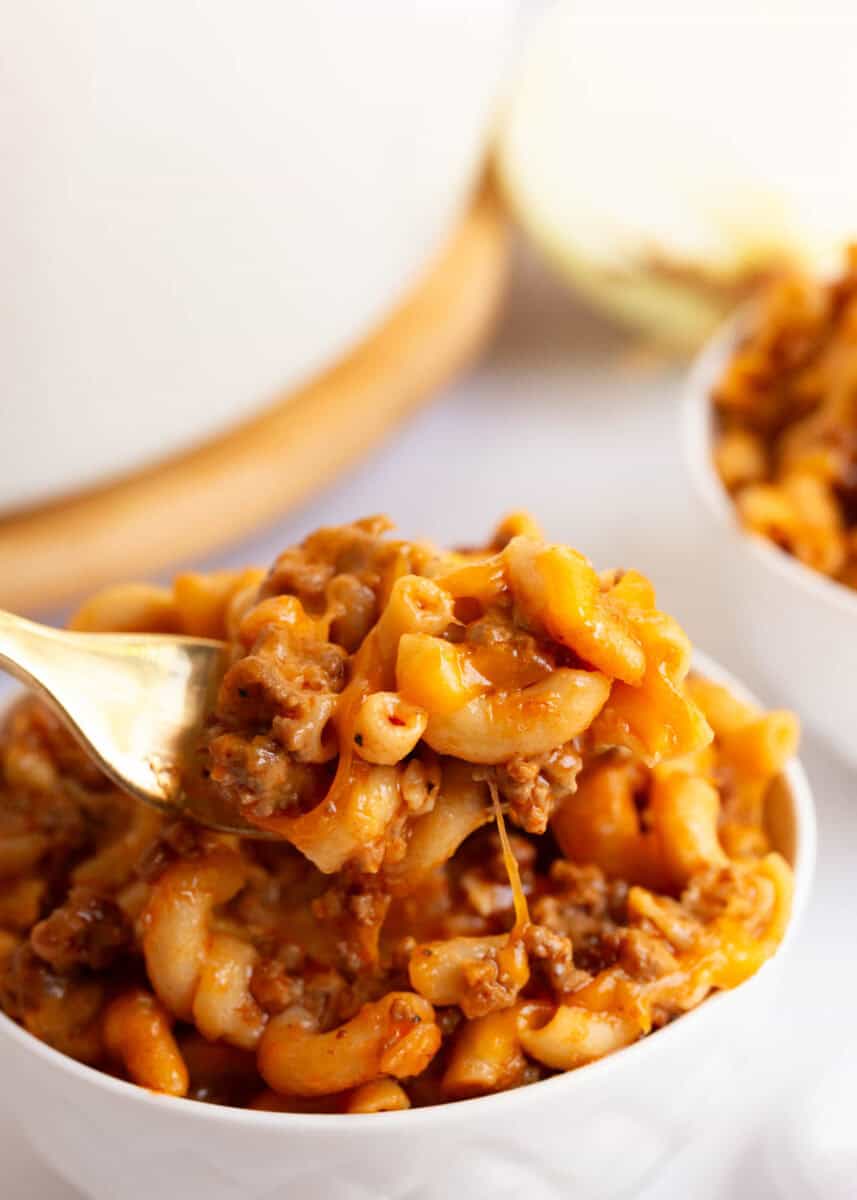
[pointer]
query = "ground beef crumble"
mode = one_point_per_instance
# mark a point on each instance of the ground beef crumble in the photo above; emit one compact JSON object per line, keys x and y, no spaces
{"x":88,"y":930}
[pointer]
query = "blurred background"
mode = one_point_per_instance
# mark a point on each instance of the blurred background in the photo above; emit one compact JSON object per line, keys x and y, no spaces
{"x":273,"y":266}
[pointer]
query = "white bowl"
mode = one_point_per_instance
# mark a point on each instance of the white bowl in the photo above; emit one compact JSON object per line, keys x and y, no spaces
{"x":594,"y":1132}
{"x":205,"y":204}
{"x":792,"y":629}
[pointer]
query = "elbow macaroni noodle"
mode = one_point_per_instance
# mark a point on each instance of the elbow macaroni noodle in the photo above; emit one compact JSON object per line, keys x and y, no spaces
{"x":388,"y":708}
{"x":786,"y":444}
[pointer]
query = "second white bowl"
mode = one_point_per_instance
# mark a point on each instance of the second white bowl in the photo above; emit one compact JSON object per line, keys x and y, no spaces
{"x":792,"y":629}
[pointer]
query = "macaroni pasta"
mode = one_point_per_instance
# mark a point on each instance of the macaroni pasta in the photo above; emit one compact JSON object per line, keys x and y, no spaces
{"x":511,"y":835}
{"x":786,"y":406}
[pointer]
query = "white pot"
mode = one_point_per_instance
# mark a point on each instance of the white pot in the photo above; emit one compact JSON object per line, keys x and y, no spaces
{"x":205,"y":203}
{"x":594,"y":1132}
{"x":793,"y":629}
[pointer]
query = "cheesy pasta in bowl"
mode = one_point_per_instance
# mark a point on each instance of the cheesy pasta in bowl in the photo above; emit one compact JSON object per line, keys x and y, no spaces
{"x":507,"y":836}
{"x":770,"y":425}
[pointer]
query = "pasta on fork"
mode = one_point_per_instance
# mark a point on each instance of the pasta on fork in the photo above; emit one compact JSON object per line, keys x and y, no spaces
{"x":507,"y":833}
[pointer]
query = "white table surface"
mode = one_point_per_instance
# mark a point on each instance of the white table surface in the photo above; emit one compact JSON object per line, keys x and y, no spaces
{"x":564,"y":419}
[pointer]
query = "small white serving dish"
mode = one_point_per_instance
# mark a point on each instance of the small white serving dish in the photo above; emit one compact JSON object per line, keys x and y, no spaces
{"x":595,"y":1132}
{"x":792,"y":629}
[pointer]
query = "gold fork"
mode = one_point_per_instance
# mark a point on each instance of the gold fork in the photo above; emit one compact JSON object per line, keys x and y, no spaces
{"x":136,"y":702}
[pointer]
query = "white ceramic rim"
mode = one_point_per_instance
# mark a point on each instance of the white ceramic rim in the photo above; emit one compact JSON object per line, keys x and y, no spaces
{"x":697,"y":423}
{"x":546,"y":1089}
